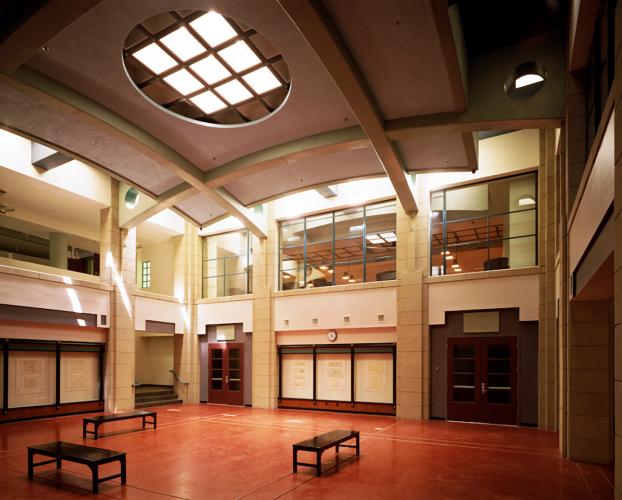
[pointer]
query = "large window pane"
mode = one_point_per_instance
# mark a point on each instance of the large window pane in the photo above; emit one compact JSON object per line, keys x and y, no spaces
{"x":381,"y":242}
{"x":488,"y":226}
{"x":346,"y":246}
{"x":226,"y":264}
{"x":349,"y":228}
{"x":319,"y":231}
{"x":292,"y":255}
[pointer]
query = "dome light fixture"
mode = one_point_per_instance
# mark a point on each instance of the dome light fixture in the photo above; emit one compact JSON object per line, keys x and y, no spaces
{"x":131,"y":199}
{"x":525,"y":81}
{"x":345,"y":276}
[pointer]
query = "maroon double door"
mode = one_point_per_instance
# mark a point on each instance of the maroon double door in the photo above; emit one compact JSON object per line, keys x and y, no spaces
{"x":226,"y":373}
{"x":482,"y":379}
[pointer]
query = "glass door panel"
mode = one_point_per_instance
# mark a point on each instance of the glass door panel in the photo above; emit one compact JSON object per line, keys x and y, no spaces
{"x":463,"y":388}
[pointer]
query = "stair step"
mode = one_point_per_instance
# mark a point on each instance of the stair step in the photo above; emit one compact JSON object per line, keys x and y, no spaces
{"x":158,"y":403}
{"x":163,"y":392}
{"x":162,"y":397}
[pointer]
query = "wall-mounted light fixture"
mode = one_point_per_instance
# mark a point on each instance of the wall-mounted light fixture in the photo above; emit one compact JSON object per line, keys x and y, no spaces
{"x":526,"y":80}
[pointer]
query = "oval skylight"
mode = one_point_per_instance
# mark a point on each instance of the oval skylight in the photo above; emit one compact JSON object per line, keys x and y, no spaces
{"x":206,"y":67}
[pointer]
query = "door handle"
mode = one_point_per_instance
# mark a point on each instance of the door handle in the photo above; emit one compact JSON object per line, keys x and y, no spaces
{"x":227,"y":379}
{"x":483,"y":388}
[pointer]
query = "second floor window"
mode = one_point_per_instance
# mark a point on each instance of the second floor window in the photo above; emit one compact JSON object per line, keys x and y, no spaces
{"x":483,"y":227}
{"x":145,"y":274}
{"x":227,"y":264}
{"x":341,"y":247}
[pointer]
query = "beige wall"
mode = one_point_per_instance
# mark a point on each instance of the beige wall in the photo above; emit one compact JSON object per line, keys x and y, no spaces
{"x":162,"y":257}
{"x":154,"y":359}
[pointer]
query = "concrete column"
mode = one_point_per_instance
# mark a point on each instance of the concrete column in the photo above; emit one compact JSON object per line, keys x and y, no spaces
{"x":187,"y":289}
{"x":265,"y":367}
{"x":590,"y":367}
{"x":58,"y":250}
{"x":547,"y":339}
{"x":118,"y":268}
{"x":412,"y":390}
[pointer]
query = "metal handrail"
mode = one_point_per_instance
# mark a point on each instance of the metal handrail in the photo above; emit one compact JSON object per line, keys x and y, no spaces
{"x":177,"y":378}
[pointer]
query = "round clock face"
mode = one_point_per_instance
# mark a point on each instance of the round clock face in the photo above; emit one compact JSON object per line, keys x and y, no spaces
{"x":332,"y":335}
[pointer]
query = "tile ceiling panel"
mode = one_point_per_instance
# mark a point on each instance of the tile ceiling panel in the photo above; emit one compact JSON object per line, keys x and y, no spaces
{"x":41,"y":120}
{"x":200,"y":208}
{"x":398,"y":49}
{"x":437,"y":151}
{"x":305,"y":173}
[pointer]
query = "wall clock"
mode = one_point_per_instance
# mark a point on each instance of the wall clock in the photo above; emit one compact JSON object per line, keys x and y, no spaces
{"x":331,"y":335}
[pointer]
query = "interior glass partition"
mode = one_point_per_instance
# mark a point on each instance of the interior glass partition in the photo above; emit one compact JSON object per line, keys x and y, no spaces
{"x":485,"y":226}
{"x":227,"y":264}
{"x":345,"y":246}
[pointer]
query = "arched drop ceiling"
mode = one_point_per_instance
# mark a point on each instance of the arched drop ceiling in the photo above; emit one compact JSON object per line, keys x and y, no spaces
{"x":379,"y":91}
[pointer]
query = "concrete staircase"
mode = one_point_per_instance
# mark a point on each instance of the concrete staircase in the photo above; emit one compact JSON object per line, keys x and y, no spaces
{"x":155,"y":395}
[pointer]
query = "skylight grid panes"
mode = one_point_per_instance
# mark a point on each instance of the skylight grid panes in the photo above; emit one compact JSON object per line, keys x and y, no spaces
{"x":234,"y":92}
{"x":213,"y":28}
{"x":239,"y":56}
{"x":211,"y":70}
{"x":262,"y":80}
{"x":155,"y":58}
{"x":183,"y":44}
{"x":206,"y":67}
{"x":208,"y":102}
{"x":183,"y":82}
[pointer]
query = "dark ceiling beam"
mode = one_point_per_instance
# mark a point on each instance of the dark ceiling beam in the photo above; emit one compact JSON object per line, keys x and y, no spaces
{"x":317,"y":28}
{"x":447,"y":31}
{"x":68,"y":100}
{"x":51,"y":18}
{"x":582,"y":23}
{"x":415,"y":126}
{"x":166,"y":200}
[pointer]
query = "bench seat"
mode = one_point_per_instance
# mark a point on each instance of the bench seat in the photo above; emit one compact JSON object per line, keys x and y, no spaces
{"x":78,"y":453}
{"x":101,"y":419}
{"x":318,"y":444}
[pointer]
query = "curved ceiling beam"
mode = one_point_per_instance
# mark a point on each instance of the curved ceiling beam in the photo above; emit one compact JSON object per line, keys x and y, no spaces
{"x":54,"y":93}
{"x":318,"y":30}
{"x":166,"y":200}
{"x":347,"y":139}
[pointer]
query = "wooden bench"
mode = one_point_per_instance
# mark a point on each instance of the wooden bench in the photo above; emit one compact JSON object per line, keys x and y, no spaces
{"x":87,"y":455}
{"x":319,"y":444}
{"x":99,"y":420}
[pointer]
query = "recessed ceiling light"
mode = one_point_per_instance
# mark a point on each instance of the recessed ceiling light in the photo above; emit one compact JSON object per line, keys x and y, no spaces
{"x":155,"y":58}
{"x":527,"y":200}
{"x":208,"y":102}
{"x":183,"y":82}
{"x":455,"y":265}
{"x":239,"y":56}
{"x":457,"y":270}
{"x":183,"y":44}
{"x":525,"y":80}
{"x":262,"y":80}
{"x":210,"y":70}
{"x":354,"y":229}
{"x":213,"y":28}
{"x":324,"y":267}
{"x":449,"y":257}
{"x":234,"y":92}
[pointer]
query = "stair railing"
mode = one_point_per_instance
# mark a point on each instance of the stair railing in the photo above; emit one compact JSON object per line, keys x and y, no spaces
{"x":177,"y":378}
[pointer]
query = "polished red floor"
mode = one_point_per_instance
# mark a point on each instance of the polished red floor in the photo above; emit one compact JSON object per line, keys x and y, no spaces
{"x":211,"y":451}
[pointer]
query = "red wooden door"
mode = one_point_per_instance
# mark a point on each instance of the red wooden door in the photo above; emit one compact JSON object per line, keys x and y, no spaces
{"x":226,"y":373}
{"x":482,"y":382}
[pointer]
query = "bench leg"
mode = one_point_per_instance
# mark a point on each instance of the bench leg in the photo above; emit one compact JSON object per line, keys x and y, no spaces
{"x":95,"y":478}
{"x":337,"y":449}
{"x":123,"y":470}
{"x":58,"y":461}
{"x":83,"y":430}
{"x":30,"y":464}
{"x":144,"y":422}
{"x":358,"y":444}
{"x":96,"y":430}
{"x":155,"y":420}
{"x":318,"y":463}
{"x":295,"y":459}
